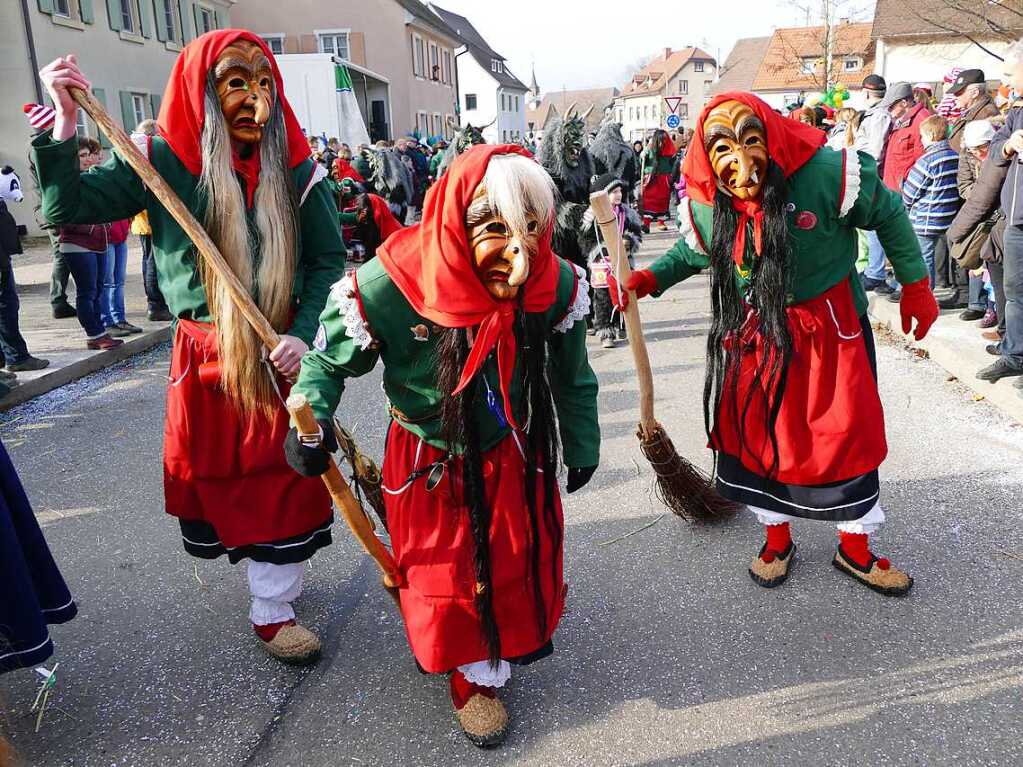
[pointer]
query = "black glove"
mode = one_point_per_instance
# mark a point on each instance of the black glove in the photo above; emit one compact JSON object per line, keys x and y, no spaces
{"x":310,"y":461}
{"x":578,"y":478}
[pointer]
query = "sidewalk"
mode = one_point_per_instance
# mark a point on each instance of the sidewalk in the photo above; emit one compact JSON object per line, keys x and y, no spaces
{"x":62,"y":342}
{"x":958,"y":347}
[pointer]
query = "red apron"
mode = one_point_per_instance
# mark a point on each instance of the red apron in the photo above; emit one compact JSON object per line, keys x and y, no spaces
{"x":830,"y":426}
{"x":227,"y":469}
{"x":656,"y":193}
{"x":434,"y":549}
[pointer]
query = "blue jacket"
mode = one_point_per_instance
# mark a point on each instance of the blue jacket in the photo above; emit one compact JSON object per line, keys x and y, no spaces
{"x":1012,"y":189}
{"x":931,"y":192}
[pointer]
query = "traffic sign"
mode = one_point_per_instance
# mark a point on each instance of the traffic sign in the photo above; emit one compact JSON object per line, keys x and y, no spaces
{"x":672,"y":102}
{"x":673,"y":121}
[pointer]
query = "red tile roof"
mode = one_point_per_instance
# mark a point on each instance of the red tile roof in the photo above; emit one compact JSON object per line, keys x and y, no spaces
{"x":789,"y":47}
{"x":654,"y":76}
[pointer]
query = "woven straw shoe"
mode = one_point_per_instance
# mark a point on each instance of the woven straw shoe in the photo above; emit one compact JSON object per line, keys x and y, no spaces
{"x":774,"y":572}
{"x":879,"y":575}
{"x":483,"y":720}
{"x":294,"y":645}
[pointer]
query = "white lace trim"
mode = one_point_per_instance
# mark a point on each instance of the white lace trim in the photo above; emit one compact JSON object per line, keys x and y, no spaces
{"x":580,"y":305}
{"x":687,"y":227}
{"x":319,"y":173}
{"x":356,"y":327}
{"x":483,"y":674}
{"x":852,"y":182}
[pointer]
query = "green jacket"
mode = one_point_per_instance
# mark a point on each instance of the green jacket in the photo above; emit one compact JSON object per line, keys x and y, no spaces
{"x":378,"y":325}
{"x":843,"y":193}
{"x":659,"y":165}
{"x":435,"y":162}
{"x":113,"y":191}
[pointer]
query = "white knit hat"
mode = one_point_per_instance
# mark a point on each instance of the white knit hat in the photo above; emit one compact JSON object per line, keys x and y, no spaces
{"x":978,"y":133}
{"x":40,"y":116}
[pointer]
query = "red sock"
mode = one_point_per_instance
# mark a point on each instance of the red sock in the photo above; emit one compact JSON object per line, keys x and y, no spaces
{"x":856,"y":547}
{"x":462,"y":689}
{"x":269,"y":631}
{"x":778,"y":539}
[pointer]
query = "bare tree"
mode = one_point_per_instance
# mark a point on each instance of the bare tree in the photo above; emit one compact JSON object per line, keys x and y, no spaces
{"x":824,"y":16}
{"x":972,"y":20}
{"x":629,"y":70}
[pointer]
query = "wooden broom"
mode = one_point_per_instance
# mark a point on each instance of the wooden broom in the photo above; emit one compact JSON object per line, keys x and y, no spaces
{"x":682,"y":486}
{"x":302,"y":415}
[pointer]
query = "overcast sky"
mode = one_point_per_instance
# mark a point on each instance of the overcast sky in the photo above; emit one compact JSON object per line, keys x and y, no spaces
{"x":592,"y":44}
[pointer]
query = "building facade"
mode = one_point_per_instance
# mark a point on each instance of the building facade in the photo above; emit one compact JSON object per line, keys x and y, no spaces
{"x":125,"y":47}
{"x":489,"y":94}
{"x":398,"y":42}
{"x":553,"y":105}
{"x":675,"y":80}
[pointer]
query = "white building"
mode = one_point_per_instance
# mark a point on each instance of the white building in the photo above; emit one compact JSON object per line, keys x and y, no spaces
{"x":489,"y":94}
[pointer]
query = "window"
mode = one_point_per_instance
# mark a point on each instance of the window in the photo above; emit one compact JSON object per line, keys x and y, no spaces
{"x":275,"y":43}
{"x":683,"y":111}
{"x":434,"y":62}
{"x":470,"y":102}
{"x":207,"y":21}
{"x":852,"y":64}
{"x":127,"y":19}
{"x":138,"y":106}
{"x":422,"y":123}
{"x":81,"y":127}
{"x":504,"y":103}
{"x":516,"y":103}
{"x":807,"y":65}
{"x":418,"y":57}
{"x":620,"y":112}
{"x":698,"y":66}
{"x":63,"y":8}
{"x":683,"y":86}
{"x":447,"y":67}
{"x":334,"y":43}
{"x":169,"y":19}
{"x":496,"y":65}
{"x":448,"y":119}
{"x":438,"y":126}
{"x":706,"y":87}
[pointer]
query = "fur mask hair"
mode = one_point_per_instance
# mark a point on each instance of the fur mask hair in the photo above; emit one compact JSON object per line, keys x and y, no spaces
{"x":243,"y":375}
{"x":391,"y":179}
{"x":769,"y":285}
{"x":465,"y":138}
{"x":564,"y":141}
{"x":612,"y":155}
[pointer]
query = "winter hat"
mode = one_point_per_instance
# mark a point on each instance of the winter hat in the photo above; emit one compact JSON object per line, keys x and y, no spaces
{"x":978,"y":133}
{"x":40,"y":116}
{"x":606,"y":182}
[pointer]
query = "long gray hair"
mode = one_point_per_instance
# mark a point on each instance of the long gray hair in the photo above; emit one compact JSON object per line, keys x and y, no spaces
{"x":275,"y":216}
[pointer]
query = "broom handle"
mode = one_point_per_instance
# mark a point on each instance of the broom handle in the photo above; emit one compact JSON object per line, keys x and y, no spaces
{"x":240,"y":297}
{"x":605,"y":218}
{"x":351,"y":510}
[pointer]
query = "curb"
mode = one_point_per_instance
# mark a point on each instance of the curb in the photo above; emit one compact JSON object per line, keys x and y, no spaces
{"x":958,"y":348}
{"x":65,"y":375}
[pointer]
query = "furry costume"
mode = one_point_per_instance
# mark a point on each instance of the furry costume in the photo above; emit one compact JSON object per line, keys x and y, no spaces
{"x":391,"y":179}
{"x":612,"y":155}
{"x":465,"y":138}
{"x":564,"y":156}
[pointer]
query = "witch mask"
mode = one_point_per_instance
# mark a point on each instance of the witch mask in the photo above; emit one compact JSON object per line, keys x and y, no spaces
{"x":501,"y":257}
{"x":736,"y":143}
{"x":244,"y":83}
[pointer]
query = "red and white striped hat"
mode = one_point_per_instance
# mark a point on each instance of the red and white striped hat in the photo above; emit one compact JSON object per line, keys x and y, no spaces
{"x":40,"y":116}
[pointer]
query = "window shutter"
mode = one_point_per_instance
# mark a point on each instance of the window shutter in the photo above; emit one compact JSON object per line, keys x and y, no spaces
{"x":85,"y":9}
{"x":146,"y":17}
{"x":161,"y":18}
{"x":46,"y":6}
{"x":154,"y":104}
{"x":114,"y":15}
{"x":184,"y":14}
{"x":101,"y":97}
{"x":197,"y":18}
{"x":127,"y":112}
{"x":221,"y":18}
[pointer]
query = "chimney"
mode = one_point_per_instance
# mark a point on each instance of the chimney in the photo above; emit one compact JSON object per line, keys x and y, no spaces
{"x":667,"y":53}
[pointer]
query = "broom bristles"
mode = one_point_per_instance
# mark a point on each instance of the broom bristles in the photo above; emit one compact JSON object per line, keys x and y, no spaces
{"x":682,"y":486}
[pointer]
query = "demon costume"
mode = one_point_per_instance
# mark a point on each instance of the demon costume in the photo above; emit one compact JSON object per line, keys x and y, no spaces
{"x":261,"y":199}
{"x":564,"y":156}
{"x":790,"y":398}
{"x":479,"y":327}
{"x":35,"y":594}
{"x":658,"y":163}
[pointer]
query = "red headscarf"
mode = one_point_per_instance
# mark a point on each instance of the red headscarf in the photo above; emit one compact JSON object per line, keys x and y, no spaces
{"x":668,"y":148}
{"x":790,"y":144}
{"x":386,"y":223}
{"x":343,"y":169}
{"x":431,"y":264}
{"x":182,"y":111}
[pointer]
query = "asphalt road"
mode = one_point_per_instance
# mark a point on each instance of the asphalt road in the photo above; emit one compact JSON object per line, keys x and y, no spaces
{"x":668,"y":653}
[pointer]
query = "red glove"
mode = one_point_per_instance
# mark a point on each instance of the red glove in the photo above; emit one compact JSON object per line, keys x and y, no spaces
{"x":918,"y":304}
{"x":642,"y":283}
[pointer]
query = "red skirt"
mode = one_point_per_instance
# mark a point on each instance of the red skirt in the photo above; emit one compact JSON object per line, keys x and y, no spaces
{"x":830,"y":425}
{"x":227,"y":469}
{"x":434,"y":550}
{"x":656,"y":193}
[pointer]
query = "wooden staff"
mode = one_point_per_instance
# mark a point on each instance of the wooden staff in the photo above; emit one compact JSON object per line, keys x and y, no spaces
{"x":685,"y":489}
{"x":350,"y":508}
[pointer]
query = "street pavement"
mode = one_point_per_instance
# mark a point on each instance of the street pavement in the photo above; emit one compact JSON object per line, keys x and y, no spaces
{"x":668,"y":653}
